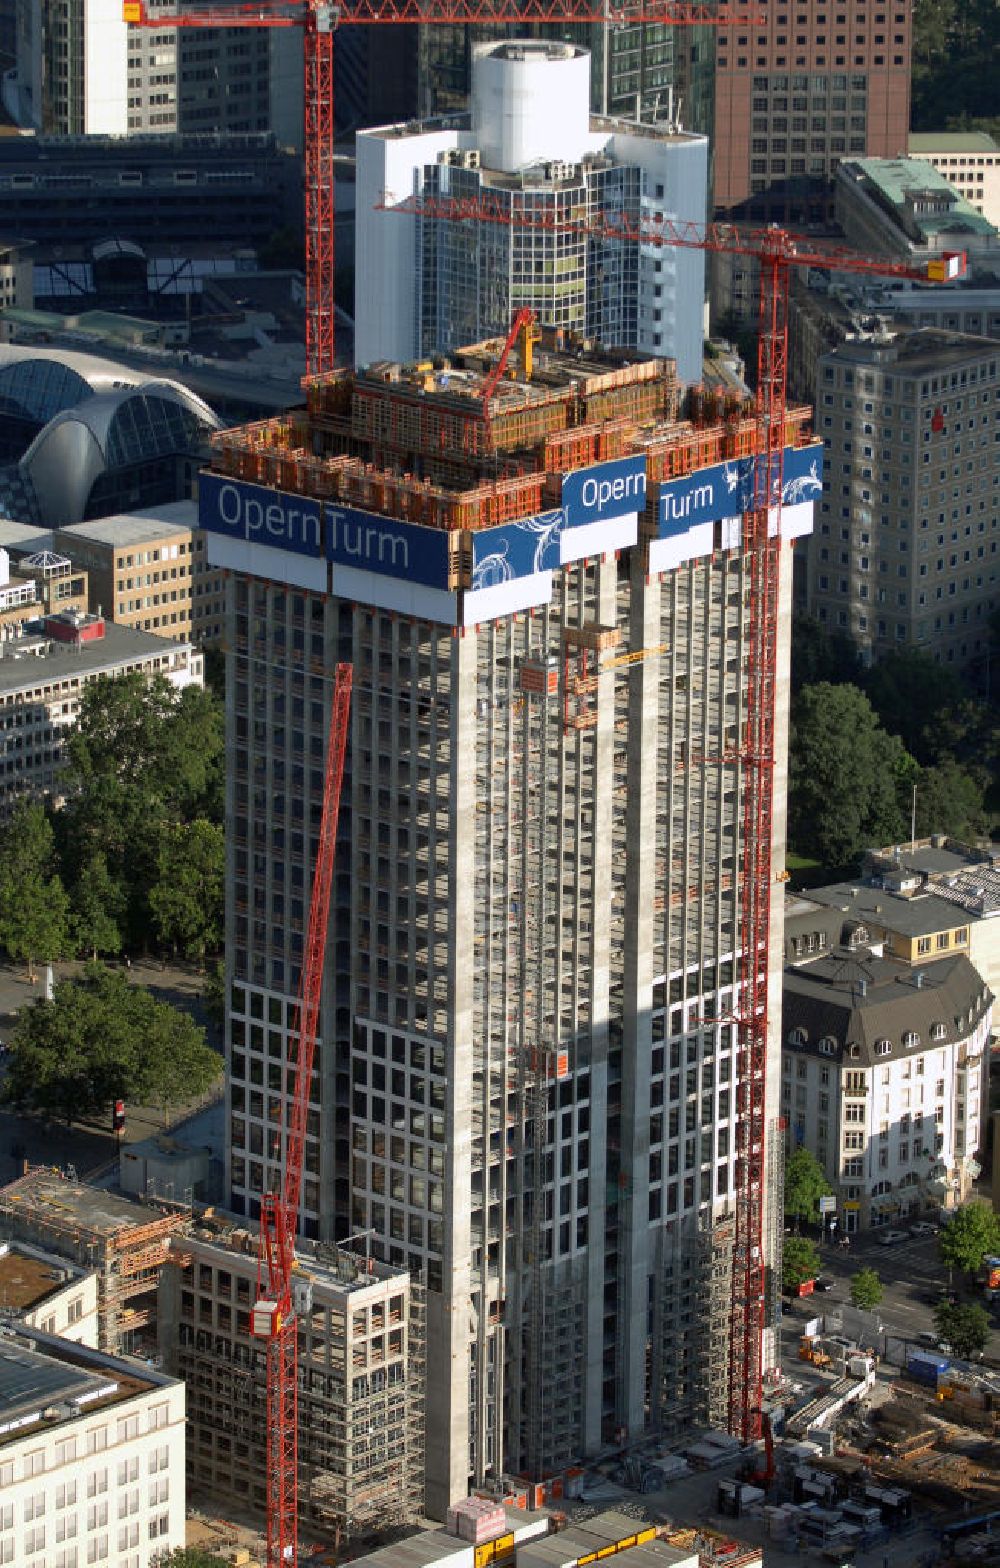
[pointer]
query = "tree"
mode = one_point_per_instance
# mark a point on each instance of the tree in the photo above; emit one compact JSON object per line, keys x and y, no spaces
{"x":909,"y":690}
{"x":213,"y":996}
{"x":186,"y":900}
{"x":971,"y":1234}
{"x":102,"y":1039}
{"x":950,"y":800}
{"x":142,"y":759}
{"x":819,"y":654}
{"x":866,"y":1290}
{"x":98,"y":903}
{"x":805,"y":1184}
{"x":965,"y":1327}
{"x":34,"y":909}
{"x":140,"y":737}
{"x":799,"y":1261}
{"x":35,"y":921}
{"x":847,"y":777}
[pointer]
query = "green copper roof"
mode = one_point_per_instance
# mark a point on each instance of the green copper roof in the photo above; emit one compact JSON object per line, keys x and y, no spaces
{"x":896,"y":179}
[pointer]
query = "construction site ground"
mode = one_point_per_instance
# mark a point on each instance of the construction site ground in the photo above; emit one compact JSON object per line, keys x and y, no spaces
{"x":90,"y":1147}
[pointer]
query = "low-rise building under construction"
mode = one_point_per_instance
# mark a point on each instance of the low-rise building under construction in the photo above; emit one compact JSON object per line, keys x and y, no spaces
{"x":361,"y":1376}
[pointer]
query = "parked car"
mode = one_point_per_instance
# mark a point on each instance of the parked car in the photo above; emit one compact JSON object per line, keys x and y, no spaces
{"x":923,"y":1228}
{"x":889,"y":1238}
{"x":823,"y":1282}
{"x":929,"y":1336}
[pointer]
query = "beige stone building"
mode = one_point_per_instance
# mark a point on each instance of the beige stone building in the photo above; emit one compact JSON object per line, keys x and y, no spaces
{"x":905,"y":551}
{"x":148,"y":570}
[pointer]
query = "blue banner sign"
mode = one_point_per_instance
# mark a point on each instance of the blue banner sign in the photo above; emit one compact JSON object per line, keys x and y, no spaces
{"x":381,"y":544}
{"x":727,"y":489}
{"x":605,"y":490}
{"x":519,"y":549}
{"x":260,"y":515}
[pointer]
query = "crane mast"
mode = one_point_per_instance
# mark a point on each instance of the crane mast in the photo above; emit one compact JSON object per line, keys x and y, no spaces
{"x":275,"y":1313}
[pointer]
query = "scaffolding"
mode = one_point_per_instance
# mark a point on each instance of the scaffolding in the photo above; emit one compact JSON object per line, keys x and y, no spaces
{"x":125,"y":1243}
{"x":361,"y":1380}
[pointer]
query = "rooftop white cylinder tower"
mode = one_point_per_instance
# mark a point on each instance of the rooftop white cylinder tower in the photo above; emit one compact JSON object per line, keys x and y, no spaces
{"x":530,"y":102}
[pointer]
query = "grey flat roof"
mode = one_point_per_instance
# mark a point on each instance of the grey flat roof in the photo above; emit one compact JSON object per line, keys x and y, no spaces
{"x":135,"y":528}
{"x":919,"y":915}
{"x":24,"y":536}
{"x":40,"y":1372}
{"x":119,"y":646}
{"x":29,"y":1382}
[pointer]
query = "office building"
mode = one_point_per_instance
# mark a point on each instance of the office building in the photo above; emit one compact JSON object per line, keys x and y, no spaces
{"x":91,"y":1456}
{"x":81,"y":70}
{"x":42,"y":677}
{"x":906,"y":549}
{"x":529,"y":145}
{"x":942,"y":874}
{"x":797,"y":95}
{"x":47,"y":1292}
{"x":361,"y":1365}
{"x":885,"y":1076}
{"x":823,"y":312}
{"x":969,"y":161}
{"x":525,"y":1072}
{"x":155,"y":191}
{"x":148,"y":570}
{"x":903,"y":208}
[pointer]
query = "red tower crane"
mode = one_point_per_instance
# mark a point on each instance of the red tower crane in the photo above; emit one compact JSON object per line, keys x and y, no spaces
{"x":275,"y":1313}
{"x":319,"y":20}
{"x":777,"y":252}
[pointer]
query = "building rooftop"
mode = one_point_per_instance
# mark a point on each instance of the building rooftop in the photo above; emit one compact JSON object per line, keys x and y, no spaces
{"x":944,"y":868}
{"x":920,"y":915}
{"x":70,"y":1203}
{"x":137,"y":528}
{"x":46,"y":1382}
{"x":27,"y":1276}
{"x":426,"y":1548}
{"x":24,"y":536}
{"x":332,"y":1267}
{"x":917,"y":352}
{"x":951,"y":141}
{"x":34,"y":659}
{"x":898,"y":182}
{"x":856,"y":1000}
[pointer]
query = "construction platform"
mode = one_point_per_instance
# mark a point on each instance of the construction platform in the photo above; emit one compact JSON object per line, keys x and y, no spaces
{"x":444,"y":445}
{"x":124,"y":1242}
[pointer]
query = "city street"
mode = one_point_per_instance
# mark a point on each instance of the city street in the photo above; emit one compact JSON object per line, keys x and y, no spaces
{"x":913,"y":1278}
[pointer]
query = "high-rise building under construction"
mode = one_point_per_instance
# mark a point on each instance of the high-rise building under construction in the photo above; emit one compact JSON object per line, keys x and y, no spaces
{"x":525,"y":1081}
